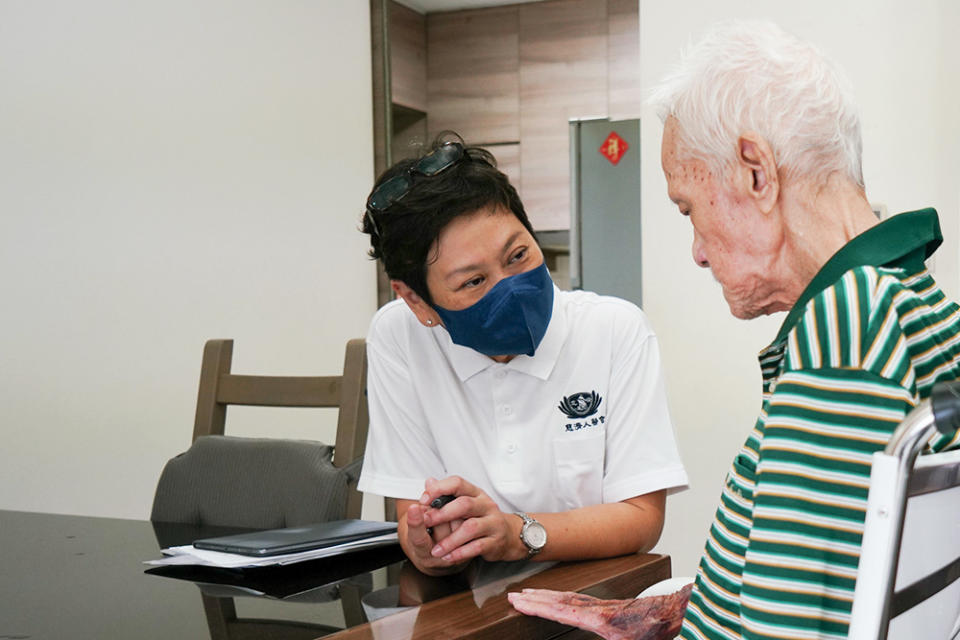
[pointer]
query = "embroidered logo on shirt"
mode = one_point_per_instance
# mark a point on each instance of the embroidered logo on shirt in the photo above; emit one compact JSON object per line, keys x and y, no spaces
{"x":579,"y":406}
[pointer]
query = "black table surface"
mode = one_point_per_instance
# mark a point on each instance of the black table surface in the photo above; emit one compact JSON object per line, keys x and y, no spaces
{"x":83,"y":577}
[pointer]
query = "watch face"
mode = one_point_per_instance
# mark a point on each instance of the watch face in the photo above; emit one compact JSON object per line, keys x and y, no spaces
{"x":535,"y":535}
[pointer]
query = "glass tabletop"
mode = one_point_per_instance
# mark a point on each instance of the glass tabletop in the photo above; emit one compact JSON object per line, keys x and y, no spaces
{"x":83,"y":577}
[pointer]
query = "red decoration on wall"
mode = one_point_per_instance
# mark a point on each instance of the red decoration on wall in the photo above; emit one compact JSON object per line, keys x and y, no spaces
{"x":614,"y":147}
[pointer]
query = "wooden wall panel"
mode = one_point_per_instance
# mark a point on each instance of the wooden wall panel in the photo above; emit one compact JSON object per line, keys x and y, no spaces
{"x":623,"y":61}
{"x":408,"y":57}
{"x":409,"y":133}
{"x":563,"y":75}
{"x":508,"y":161}
{"x":473,"y":74}
{"x":381,"y":113}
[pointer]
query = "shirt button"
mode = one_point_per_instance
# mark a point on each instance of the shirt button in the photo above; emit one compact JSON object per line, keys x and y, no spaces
{"x":507,"y":410}
{"x":500,"y":375}
{"x":511,"y":448}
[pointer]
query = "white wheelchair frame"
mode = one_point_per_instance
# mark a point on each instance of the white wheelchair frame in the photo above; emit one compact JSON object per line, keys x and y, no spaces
{"x":913,"y":520}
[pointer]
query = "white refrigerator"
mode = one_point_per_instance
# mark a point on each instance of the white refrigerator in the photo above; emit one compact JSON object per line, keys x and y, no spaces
{"x":605,"y":224}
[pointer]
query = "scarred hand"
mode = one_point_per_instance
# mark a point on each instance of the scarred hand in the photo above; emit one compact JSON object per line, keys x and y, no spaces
{"x":649,"y":618}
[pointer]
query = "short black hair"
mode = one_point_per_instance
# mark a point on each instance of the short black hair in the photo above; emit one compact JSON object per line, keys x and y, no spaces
{"x":403,"y":233}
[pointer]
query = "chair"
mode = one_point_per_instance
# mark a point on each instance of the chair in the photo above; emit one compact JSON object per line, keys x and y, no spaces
{"x":267,"y":483}
{"x":910,"y":557}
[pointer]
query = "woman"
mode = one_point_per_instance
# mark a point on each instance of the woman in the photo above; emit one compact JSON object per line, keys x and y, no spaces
{"x":543,"y":412}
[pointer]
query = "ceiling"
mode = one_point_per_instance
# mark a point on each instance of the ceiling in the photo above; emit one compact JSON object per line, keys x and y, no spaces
{"x":431,"y":6}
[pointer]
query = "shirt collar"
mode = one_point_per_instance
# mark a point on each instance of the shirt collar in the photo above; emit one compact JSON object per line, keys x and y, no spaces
{"x":905,"y":241}
{"x":467,"y":363}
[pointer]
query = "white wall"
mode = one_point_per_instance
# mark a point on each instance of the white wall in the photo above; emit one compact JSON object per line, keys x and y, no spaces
{"x":169,"y":172}
{"x":903,"y":61}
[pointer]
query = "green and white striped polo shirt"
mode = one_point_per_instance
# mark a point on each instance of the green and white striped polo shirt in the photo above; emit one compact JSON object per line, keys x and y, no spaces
{"x":863,"y":345}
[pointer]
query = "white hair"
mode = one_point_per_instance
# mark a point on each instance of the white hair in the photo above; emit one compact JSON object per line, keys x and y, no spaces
{"x":753,"y":76}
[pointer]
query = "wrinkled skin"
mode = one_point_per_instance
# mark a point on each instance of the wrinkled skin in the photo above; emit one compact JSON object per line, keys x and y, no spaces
{"x":650,"y":618}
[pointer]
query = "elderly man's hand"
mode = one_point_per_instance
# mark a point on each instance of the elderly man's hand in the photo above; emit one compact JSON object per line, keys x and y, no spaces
{"x":649,"y":618}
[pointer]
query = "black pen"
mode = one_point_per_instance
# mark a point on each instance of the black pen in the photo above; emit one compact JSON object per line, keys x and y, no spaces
{"x":442,"y":500}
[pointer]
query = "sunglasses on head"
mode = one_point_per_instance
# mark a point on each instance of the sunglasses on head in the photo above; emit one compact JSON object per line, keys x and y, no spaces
{"x":394,"y":189}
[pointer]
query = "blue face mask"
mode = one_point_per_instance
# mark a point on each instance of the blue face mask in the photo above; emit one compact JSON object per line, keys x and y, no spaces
{"x":510,"y":319}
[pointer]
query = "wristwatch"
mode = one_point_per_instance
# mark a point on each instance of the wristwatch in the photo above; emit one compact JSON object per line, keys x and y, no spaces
{"x":533,"y":534}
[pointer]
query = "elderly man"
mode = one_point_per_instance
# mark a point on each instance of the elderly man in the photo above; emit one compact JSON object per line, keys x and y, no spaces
{"x":761,"y":151}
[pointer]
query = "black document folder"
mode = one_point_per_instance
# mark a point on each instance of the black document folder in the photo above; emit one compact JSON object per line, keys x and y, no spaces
{"x":296,"y":539}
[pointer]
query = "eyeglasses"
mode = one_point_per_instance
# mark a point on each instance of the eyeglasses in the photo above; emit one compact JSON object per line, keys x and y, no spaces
{"x":435,"y":162}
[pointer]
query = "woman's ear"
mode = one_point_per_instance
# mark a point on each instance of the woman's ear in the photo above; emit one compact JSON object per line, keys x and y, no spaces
{"x":424,"y":312}
{"x":758,"y":169}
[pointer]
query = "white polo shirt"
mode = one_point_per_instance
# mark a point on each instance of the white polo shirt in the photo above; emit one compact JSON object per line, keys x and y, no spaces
{"x":583,"y":421}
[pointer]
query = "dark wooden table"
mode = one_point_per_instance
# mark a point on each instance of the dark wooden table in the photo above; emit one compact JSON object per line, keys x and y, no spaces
{"x":460,"y":616}
{"x":83,"y":578}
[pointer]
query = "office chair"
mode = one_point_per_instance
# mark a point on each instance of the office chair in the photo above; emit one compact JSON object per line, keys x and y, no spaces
{"x":268,"y":483}
{"x":910,"y":557}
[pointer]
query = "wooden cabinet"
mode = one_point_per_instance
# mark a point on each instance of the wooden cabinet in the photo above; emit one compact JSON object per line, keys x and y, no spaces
{"x":408,"y":58}
{"x":563,"y":75}
{"x":473,"y":84}
{"x":512,"y":77}
{"x":508,"y":161}
{"x":624,"y":97}
{"x":408,"y":81}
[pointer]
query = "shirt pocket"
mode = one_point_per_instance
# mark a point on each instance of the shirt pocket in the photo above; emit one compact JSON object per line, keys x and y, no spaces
{"x":579,"y":469}
{"x":742,"y":478}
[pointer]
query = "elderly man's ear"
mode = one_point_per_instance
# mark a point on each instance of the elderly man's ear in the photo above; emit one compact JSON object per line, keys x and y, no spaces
{"x":757,"y":170}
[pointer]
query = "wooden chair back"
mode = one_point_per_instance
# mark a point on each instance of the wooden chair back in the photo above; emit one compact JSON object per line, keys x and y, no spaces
{"x":220,"y":388}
